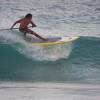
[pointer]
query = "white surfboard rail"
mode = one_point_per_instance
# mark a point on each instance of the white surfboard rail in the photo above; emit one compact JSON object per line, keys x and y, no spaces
{"x":60,"y":41}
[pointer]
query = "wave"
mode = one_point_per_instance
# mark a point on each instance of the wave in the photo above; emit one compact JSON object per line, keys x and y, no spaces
{"x":81,"y":66}
{"x":74,"y":62}
{"x":53,"y":53}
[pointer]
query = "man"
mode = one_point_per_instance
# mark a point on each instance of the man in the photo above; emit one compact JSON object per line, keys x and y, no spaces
{"x":24,"y":26}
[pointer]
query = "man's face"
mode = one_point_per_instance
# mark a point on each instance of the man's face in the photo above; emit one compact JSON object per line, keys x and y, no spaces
{"x":29,"y":18}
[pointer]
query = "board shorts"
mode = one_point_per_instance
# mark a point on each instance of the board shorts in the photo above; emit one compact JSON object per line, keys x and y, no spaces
{"x":26,"y":31}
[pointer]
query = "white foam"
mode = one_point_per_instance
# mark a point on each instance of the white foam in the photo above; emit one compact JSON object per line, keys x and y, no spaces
{"x":51,"y":53}
{"x":48,"y":91}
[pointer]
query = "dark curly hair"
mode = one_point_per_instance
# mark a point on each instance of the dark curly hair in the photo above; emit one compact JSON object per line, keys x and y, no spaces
{"x":28,"y":15}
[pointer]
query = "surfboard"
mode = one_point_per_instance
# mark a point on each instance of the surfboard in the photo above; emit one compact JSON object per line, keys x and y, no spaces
{"x":54,"y":41}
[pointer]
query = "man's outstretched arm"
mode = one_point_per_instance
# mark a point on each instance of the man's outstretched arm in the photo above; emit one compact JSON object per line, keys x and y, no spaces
{"x":15,"y":24}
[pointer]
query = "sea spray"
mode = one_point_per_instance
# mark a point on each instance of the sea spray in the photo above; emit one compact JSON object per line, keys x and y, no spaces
{"x":41,"y":53}
{"x":49,"y":53}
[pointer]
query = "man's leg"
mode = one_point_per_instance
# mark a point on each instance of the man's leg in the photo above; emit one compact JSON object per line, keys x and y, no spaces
{"x":23,"y":31}
{"x":32,"y":32}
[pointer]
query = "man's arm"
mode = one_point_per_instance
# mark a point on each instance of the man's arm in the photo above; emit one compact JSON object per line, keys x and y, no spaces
{"x":33,"y":25}
{"x":15,"y":24}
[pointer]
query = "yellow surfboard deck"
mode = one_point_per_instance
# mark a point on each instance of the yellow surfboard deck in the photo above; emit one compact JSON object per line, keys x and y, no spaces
{"x":55,"y":41}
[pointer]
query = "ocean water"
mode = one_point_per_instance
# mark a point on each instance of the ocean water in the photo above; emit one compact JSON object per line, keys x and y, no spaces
{"x":81,"y":65}
{"x":64,"y":71}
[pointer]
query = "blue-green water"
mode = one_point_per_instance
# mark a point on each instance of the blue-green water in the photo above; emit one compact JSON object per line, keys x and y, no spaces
{"x":73,"y":64}
{"x":81,"y":66}
{"x":24,"y":67}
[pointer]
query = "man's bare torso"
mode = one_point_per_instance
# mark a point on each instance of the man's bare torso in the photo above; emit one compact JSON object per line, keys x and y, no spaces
{"x":24,"y":23}
{"x":24,"y":26}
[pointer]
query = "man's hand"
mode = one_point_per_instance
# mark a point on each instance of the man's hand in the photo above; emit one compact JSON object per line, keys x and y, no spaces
{"x":11,"y":28}
{"x":33,"y":25}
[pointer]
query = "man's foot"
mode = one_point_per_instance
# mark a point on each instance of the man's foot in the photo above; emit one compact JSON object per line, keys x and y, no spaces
{"x":45,"y":39}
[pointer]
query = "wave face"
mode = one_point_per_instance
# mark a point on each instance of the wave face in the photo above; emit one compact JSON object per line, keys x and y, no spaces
{"x":82,"y":65}
{"x":74,"y":62}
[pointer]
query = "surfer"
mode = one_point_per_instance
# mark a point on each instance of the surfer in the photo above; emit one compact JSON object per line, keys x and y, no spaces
{"x":24,"y":22}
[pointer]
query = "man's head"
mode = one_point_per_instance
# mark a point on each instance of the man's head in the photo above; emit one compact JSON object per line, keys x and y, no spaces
{"x":29,"y":16}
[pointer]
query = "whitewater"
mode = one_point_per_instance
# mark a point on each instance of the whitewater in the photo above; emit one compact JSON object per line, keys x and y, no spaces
{"x":70,"y":71}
